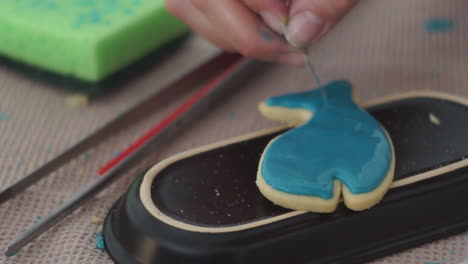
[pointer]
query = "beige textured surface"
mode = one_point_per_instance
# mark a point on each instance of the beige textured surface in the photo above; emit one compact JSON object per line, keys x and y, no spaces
{"x":381,"y":47}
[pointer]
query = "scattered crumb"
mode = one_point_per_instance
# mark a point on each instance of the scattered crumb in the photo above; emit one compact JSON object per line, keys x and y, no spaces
{"x":434,"y":119}
{"x":77,"y":100}
{"x":182,"y":211}
{"x":96,"y":220}
{"x":217,"y":192}
{"x":100,"y":241}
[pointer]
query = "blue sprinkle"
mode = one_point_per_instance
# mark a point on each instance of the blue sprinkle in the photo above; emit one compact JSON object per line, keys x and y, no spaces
{"x":13,"y":254}
{"x":232,"y":116}
{"x":49,"y":149}
{"x":100,"y":241}
{"x":86,"y":155}
{"x":440,"y":25}
{"x":19,"y":163}
{"x":38,"y":217}
{"x":433,"y":74}
{"x":116,"y":154}
{"x":5,"y":117}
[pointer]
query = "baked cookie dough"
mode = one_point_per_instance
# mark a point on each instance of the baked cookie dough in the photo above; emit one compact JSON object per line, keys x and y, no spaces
{"x":336,"y":150}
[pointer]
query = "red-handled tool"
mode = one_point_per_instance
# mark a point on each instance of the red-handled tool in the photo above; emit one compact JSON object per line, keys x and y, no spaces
{"x":226,"y":68}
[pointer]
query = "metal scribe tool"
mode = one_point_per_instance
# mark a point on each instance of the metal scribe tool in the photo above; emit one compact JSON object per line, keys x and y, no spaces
{"x":311,"y":68}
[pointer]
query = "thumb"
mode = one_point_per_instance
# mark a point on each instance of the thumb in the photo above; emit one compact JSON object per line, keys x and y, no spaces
{"x":309,"y":20}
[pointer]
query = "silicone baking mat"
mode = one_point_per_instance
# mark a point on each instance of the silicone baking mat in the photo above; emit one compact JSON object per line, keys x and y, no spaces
{"x":383,"y":47}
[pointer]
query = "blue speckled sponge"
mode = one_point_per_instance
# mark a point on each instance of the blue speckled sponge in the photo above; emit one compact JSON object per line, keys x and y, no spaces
{"x":85,"y":39}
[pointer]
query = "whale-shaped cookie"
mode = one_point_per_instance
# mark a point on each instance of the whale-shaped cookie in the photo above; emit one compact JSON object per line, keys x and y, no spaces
{"x":336,"y":149}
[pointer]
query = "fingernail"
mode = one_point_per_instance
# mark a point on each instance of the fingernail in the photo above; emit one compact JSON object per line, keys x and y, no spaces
{"x":295,"y":59}
{"x":274,"y":22}
{"x":303,"y":29}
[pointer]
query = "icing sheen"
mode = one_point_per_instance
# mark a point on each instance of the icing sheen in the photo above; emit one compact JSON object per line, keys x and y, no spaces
{"x":341,"y":141}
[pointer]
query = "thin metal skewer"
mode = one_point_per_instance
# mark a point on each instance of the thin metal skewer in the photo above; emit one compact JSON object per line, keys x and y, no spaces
{"x":315,"y":76}
{"x":186,"y":113}
{"x":311,"y":68}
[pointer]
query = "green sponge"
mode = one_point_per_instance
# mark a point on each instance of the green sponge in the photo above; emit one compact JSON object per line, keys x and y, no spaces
{"x":85,"y":39}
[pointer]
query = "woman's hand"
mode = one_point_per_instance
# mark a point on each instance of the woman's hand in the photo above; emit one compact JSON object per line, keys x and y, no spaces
{"x":272,"y":30}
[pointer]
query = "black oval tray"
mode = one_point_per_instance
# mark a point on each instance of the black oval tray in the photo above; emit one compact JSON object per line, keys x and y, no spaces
{"x":205,"y":207}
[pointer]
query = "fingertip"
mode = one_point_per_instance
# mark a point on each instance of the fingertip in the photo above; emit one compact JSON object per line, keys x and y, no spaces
{"x":304,"y":28}
{"x":276,"y":23}
{"x":311,"y":19}
{"x":274,"y":13}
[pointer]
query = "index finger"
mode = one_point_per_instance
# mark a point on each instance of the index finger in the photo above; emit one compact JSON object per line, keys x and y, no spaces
{"x":246,"y":32}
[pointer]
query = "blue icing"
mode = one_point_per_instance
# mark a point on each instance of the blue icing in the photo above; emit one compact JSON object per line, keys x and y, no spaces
{"x":5,"y":117}
{"x":100,"y":241}
{"x":341,"y":141}
{"x":439,"y":25}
